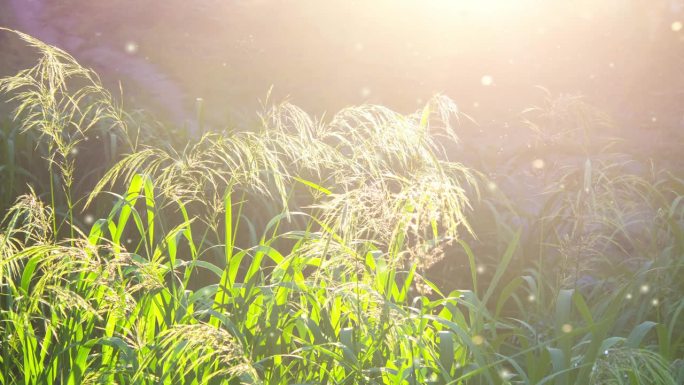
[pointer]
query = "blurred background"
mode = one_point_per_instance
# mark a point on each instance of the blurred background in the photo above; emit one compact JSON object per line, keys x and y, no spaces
{"x":491,"y":56}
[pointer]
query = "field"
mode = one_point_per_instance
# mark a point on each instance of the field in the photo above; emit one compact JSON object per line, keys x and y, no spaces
{"x":368,"y":246}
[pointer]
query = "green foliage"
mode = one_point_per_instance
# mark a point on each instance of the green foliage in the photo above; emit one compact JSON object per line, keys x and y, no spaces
{"x":332,"y":284}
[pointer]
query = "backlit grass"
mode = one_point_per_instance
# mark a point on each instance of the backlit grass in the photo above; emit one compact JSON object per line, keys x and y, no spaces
{"x":304,"y":251}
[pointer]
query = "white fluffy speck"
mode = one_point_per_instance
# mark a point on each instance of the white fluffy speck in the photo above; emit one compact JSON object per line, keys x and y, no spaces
{"x":131,"y":47}
{"x":487,"y":80}
{"x":538,"y":164}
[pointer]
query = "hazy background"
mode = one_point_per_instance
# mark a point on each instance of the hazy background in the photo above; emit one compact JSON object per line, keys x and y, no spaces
{"x":626,"y":56}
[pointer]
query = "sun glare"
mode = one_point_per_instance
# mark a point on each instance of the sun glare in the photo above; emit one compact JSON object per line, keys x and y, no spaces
{"x":490,"y":7}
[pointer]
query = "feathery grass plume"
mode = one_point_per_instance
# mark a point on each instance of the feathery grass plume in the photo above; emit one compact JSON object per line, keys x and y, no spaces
{"x":50,"y":304}
{"x":630,"y":366}
{"x":26,"y":223}
{"x":336,"y":258}
{"x":381,"y":142}
{"x":53,"y":266}
{"x":361,"y":143}
{"x":28,"y":244}
{"x":205,"y":170}
{"x":8,"y":247}
{"x":62,"y":102}
{"x":365,"y":212}
{"x":297,"y":139}
{"x":389,"y":170}
{"x":603,"y":214}
{"x":361,"y":300}
{"x":566,"y":119}
{"x":402,"y":215}
{"x":28,"y":220}
{"x":439,"y":116}
{"x":206,"y":352}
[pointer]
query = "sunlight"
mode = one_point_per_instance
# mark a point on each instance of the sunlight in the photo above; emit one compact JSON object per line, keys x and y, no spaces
{"x":490,"y":7}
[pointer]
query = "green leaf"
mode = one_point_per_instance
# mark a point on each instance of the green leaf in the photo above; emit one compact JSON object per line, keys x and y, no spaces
{"x":313,"y":185}
{"x":446,"y":351}
{"x":638,"y":333}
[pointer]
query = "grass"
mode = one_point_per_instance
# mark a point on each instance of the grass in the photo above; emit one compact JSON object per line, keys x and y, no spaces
{"x":304,"y":251}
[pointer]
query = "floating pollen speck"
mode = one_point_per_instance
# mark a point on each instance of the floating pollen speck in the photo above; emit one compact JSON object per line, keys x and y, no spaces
{"x":478,"y":339}
{"x":644,"y":289}
{"x":505,"y":374}
{"x":131,"y":47}
{"x":677,"y":26}
{"x":487,"y":80}
{"x":538,"y":164}
{"x":567,"y":328}
{"x":365,"y":92}
{"x":88,"y":219}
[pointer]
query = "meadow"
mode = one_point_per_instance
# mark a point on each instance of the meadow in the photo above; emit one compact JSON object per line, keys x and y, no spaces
{"x":356,"y":248}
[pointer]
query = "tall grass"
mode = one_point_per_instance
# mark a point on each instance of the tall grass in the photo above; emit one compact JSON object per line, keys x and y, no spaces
{"x":303,"y":252}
